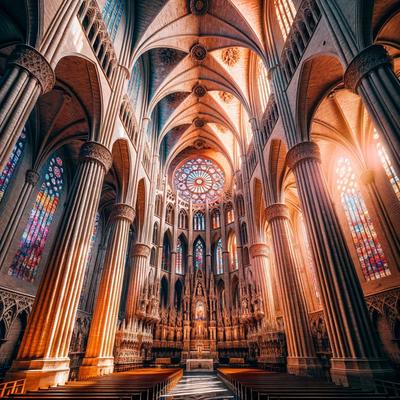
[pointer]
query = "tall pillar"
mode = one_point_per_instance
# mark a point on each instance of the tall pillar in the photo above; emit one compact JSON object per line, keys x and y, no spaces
{"x":28,"y":75}
{"x":261,"y":268}
{"x":301,"y":358}
{"x":99,"y":358}
{"x":43,"y":355}
{"x":357,"y":354}
{"x":31,"y":179}
{"x":137,"y":278}
{"x":370,"y":74}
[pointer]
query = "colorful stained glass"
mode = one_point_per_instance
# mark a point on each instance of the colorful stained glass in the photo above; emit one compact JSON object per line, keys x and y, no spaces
{"x":234,"y":261}
{"x":33,"y":241}
{"x":369,"y":250}
{"x":219,"y":264}
{"x":387,"y":165}
{"x":216,"y":219}
{"x":166,"y":255}
{"x":179,"y":257}
{"x":199,"y":251}
{"x":12,"y":163}
{"x":199,"y":223}
{"x":112,"y":13}
{"x":201,"y":180}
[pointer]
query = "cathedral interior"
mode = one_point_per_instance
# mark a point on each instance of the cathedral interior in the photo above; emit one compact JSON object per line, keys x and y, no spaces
{"x":200,"y":189}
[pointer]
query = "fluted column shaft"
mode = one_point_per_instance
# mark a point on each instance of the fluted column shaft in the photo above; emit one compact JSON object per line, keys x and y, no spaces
{"x":137,"y":278}
{"x":301,"y":354}
{"x":99,"y":358}
{"x":31,"y":179}
{"x":261,"y":267}
{"x":43,"y":354}
{"x":354,"y":343}
{"x":30,"y":74}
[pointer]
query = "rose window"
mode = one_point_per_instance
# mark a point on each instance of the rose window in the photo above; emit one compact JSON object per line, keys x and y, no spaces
{"x":201,"y":180}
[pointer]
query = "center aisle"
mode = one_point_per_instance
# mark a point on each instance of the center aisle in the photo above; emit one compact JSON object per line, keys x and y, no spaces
{"x":199,"y":386}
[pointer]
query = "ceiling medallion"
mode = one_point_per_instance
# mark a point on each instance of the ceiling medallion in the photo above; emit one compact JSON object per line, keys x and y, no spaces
{"x":199,"y":90}
{"x":230,"y":56}
{"x":199,"y":123}
{"x":198,"y":7}
{"x":198,"y":52}
{"x":199,"y":144}
{"x":226,"y":97}
{"x":167,"y":56}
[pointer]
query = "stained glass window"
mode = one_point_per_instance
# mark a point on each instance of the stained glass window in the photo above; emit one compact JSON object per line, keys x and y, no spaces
{"x":369,"y":250}
{"x":234,"y":261}
{"x":199,"y":221}
{"x":229,"y":216}
{"x":263,"y":84}
{"x":201,"y":180}
{"x":179,"y":257}
{"x":285,"y":13}
{"x":12,"y":163}
{"x":219,"y":264}
{"x":134,"y":85}
{"x":387,"y":165}
{"x":216,"y":219}
{"x":166,"y":254}
{"x":33,"y":241}
{"x":112,"y":13}
{"x":199,"y":251}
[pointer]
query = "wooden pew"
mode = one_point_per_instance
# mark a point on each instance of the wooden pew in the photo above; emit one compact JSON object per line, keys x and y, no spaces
{"x":139,"y":384}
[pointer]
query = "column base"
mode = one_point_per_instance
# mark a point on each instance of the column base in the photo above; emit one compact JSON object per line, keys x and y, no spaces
{"x":360,"y":372}
{"x":40,"y":373}
{"x":96,"y":366}
{"x":304,"y":366}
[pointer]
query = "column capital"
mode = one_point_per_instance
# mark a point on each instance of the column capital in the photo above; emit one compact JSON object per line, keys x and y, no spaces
{"x":94,"y":151}
{"x":259,"y":250}
{"x":122,"y":211}
{"x":364,"y":62}
{"x":277,"y":210}
{"x":36,"y":64}
{"x":302,"y":151}
{"x":141,"y":250}
{"x":31,"y":177}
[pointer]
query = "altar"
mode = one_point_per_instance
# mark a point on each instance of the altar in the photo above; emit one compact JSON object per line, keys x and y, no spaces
{"x":200,"y":364}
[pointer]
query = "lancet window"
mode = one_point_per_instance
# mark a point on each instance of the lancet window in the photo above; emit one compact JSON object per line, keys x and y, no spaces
{"x":166,"y":254}
{"x":219,"y":263}
{"x":33,"y":241}
{"x":263,"y":84}
{"x":285,"y":13}
{"x":229,"y":216}
{"x":232,"y":247}
{"x":199,"y":254}
{"x":180,"y":257}
{"x":12,"y":164}
{"x":387,"y":165}
{"x":199,"y":221}
{"x":215,"y":219}
{"x":369,"y":250}
{"x":183,"y":220}
{"x":112,"y":13}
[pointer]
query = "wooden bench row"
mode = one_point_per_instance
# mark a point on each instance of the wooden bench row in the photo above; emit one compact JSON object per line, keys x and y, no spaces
{"x":139,"y":384}
{"x":253,"y":384}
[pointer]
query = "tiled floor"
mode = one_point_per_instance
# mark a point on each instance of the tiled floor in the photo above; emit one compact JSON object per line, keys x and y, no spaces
{"x":200,"y":386}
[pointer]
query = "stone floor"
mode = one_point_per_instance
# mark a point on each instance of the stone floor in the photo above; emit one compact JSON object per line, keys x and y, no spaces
{"x":200,"y":386}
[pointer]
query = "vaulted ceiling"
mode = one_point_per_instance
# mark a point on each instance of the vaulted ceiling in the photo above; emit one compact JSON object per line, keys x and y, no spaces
{"x":202,"y":55}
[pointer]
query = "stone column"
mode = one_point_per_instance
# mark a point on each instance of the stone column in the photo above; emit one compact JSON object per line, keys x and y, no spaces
{"x":357,"y":353}
{"x":261,"y":268}
{"x":301,"y":358}
{"x":43,"y":355}
{"x":370,"y":74}
{"x":31,"y":179}
{"x":28,"y":75}
{"x":137,"y":277}
{"x":99,"y":358}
